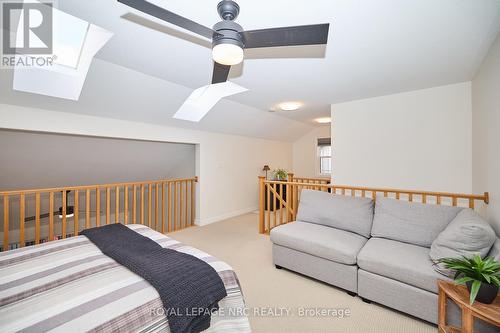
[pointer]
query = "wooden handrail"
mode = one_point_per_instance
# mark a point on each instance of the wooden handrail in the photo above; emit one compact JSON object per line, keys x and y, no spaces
{"x":307,"y":179}
{"x":84,"y":187}
{"x":483,"y":197}
{"x":115,"y":198}
{"x":273,"y":198}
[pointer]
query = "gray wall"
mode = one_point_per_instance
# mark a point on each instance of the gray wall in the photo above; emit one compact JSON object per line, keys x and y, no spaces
{"x":34,"y":160}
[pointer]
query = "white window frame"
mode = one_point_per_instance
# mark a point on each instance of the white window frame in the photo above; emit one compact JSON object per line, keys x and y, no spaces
{"x":318,"y":162}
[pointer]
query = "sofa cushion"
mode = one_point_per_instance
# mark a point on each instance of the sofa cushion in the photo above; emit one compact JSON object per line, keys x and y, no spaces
{"x":466,"y":235}
{"x":338,"y":211}
{"x":399,"y":261}
{"x":410,"y":222}
{"x":329,"y":243}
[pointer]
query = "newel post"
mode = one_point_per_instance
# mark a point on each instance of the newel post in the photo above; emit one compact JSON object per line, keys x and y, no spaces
{"x":262,"y":187}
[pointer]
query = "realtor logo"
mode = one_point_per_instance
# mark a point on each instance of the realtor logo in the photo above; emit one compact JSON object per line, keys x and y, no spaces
{"x":27,"y":28}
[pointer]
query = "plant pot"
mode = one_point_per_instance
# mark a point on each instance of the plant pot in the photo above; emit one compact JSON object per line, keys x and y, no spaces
{"x":487,"y":292}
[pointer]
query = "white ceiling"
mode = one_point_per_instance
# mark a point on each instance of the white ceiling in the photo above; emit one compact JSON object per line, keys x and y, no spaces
{"x":375,"y":48}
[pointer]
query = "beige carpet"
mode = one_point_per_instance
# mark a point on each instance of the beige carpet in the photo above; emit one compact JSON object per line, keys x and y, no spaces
{"x":237,"y":242}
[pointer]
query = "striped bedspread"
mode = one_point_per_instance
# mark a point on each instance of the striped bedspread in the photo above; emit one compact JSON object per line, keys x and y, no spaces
{"x":70,"y":286}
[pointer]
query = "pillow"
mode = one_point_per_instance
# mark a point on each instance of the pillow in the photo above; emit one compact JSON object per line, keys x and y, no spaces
{"x":339,"y":211}
{"x":411,"y":222}
{"x":466,"y":235}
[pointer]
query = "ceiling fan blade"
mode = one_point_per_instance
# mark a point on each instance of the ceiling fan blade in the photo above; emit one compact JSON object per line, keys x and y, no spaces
{"x":286,"y":36}
{"x":204,"y":99}
{"x":168,"y":16}
{"x":221,"y":72}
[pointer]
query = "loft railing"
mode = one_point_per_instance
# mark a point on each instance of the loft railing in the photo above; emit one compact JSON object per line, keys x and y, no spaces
{"x":306,"y":180}
{"x":279,"y":200}
{"x":56,"y":213}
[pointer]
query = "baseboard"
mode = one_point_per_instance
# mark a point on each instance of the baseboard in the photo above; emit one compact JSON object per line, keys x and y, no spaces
{"x":209,"y":220}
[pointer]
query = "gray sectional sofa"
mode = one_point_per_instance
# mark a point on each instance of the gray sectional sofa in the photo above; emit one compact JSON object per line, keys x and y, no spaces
{"x":379,"y":251}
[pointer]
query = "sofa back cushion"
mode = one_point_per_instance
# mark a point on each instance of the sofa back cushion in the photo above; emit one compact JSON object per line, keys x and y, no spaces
{"x":338,"y":211}
{"x":411,"y":222}
{"x":466,"y":235}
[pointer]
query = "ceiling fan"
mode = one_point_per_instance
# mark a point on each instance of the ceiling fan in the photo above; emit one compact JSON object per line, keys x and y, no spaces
{"x":229,"y":39}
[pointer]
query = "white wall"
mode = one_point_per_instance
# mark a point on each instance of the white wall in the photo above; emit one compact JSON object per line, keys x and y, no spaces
{"x":228,"y":164}
{"x":305,"y":152}
{"x":413,"y":140}
{"x":486,"y":131}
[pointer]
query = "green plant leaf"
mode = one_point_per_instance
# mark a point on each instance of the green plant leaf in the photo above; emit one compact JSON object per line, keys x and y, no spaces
{"x":495,"y":280}
{"x":474,"y":290}
{"x":486,"y":277}
{"x":463,"y":280}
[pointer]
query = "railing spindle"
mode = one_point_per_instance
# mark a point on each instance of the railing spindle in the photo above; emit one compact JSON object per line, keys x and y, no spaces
{"x":169,"y":206}
{"x":5,"y":245}
{"x":141,"y":208}
{"x":186,"y":207}
{"x":275,"y":188}
{"x":162,"y":207}
{"x":125,"y":204}
{"x":76,"y":205}
{"x":117,"y":204}
{"x":149,"y":205}
{"x":37,"y":218}
{"x":181,"y":205}
{"x":268,"y":224}
{"x":175,"y":206}
{"x":64,"y":205}
{"x":87,"y":209}
{"x":134,"y":204}
{"x":21,"y":220}
{"x":156,"y":206}
{"x":108,"y":205}
{"x":193,"y":199}
{"x":51,"y":216}
{"x":97,"y":207}
{"x":282,"y":211}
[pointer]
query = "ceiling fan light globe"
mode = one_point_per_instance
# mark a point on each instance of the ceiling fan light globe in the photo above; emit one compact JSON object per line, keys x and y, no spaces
{"x":227,"y":54}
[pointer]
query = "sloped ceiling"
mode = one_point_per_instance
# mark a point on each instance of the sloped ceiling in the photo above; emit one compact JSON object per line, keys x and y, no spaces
{"x":375,"y":48}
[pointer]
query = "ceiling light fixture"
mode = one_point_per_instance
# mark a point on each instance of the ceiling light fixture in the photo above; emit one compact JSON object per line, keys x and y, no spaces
{"x":323,"y":120}
{"x":227,"y":54}
{"x":227,"y":45}
{"x":290,"y":106}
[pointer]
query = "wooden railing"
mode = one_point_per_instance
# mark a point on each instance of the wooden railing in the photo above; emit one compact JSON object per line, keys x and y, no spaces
{"x":306,"y":180}
{"x":164,"y":205}
{"x":279,"y":201}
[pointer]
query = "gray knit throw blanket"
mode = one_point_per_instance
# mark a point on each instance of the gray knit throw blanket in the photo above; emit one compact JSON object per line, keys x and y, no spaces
{"x":189,"y":288}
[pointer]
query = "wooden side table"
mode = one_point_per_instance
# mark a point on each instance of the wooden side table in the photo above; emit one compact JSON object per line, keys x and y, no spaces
{"x":460,"y":295}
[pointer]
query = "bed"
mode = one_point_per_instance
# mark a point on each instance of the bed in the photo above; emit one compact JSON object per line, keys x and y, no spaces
{"x":71,"y":286}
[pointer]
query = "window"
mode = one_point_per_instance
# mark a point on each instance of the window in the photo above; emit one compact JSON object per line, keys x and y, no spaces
{"x":325,"y":156}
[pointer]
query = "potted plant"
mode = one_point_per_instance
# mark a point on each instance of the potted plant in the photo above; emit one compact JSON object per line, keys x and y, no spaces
{"x":280,"y":174}
{"x":482,"y":276}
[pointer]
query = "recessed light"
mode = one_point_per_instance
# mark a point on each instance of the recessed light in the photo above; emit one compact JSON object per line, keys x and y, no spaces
{"x":290,"y":106}
{"x":323,"y":120}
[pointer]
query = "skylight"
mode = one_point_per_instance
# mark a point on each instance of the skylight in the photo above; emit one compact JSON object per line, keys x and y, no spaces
{"x":70,"y":34}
